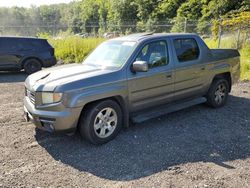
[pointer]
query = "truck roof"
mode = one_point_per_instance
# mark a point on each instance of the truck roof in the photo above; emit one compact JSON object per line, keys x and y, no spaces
{"x":142,"y":36}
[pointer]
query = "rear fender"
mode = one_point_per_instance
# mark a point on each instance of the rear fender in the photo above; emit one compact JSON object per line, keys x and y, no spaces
{"x":23,"y":60}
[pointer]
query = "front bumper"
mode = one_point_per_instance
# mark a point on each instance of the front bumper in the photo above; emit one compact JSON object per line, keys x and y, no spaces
{"x":53,"y":121}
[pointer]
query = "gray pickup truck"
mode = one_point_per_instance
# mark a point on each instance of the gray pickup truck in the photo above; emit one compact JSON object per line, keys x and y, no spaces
{"x":129,"y":79}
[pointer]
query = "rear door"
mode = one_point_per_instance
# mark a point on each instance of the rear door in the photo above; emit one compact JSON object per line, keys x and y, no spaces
{"x":156,"y":86}
{"x":9,"y":53}
{"x":190,"y":70}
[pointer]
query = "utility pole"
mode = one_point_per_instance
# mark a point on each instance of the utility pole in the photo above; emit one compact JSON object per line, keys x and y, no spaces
{"x":238,"y":39}
{"x":185,"y":25}
{"x":219,"y":33}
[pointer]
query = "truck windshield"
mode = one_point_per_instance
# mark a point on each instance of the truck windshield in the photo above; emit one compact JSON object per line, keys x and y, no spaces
{"x":111,"y":54}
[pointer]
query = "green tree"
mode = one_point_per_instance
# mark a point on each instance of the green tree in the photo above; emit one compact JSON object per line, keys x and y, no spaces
{"x":167,"y":9}
{"x":189,"y":11}
{"x":90,"y":15}
{"x":122,"y":14}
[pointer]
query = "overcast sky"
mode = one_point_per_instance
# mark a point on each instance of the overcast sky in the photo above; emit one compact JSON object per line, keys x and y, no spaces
{"x":28,"y":3}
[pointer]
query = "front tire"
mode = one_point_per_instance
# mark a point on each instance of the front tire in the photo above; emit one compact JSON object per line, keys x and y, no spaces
{"x":101,"y":122}
{"x":31,"y":66}
{"x":218,"y":93}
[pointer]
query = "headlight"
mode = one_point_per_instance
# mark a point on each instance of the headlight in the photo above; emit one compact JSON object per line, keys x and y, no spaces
{"x":48,"y":97}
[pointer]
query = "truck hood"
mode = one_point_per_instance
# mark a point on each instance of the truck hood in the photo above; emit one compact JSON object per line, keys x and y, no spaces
{"x":49,"y":79}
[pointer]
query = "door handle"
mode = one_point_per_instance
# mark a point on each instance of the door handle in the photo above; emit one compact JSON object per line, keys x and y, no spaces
{"x":199,"y":71}
{"x":202,"y":68}
{"x":169,"y":76}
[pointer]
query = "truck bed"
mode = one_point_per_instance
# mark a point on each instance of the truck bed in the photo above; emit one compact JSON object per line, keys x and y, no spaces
{"x":221,"y":54}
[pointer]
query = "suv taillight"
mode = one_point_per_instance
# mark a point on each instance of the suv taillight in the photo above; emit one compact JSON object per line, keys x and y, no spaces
{"x":52,"y":51}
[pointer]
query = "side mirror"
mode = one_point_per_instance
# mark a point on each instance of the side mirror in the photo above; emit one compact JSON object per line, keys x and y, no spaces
{"x":140,"y":66}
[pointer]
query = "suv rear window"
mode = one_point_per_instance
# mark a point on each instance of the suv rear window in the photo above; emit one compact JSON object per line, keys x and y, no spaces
{"x":33,"y":43}
{"x":186,"y":49}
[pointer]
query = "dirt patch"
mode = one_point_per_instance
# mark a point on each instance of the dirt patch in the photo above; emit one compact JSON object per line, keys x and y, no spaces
{"x":195,"y":147}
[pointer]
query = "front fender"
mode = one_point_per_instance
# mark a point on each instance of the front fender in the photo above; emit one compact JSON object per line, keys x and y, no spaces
{"x":81,"y":97}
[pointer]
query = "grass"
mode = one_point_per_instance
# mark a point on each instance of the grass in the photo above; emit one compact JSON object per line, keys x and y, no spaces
{"x":245,"y":62}
{"x":73,"y":49}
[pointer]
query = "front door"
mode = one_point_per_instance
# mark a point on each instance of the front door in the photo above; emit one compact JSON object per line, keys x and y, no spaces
{"x":156,"y":86}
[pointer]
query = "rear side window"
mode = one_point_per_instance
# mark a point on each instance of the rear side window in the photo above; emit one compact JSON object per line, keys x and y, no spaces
{"x":40,"y":43}
{"x":33,"y":44}
{"x":186,"y":49}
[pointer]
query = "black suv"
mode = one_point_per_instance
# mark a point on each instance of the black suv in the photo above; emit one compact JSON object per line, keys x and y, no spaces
{"x":30,"y":54}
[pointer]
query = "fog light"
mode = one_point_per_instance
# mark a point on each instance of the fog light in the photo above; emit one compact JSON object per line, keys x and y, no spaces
{"x":48,"y":124}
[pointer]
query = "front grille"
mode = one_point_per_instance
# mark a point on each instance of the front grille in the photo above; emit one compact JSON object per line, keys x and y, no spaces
{"x":31,"y":95}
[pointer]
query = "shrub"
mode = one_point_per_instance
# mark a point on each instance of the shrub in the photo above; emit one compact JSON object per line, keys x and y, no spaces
{"x":73,"y":49}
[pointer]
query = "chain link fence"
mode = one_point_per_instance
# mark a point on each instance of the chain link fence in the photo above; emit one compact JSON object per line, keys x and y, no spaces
{"x":226,"y":37}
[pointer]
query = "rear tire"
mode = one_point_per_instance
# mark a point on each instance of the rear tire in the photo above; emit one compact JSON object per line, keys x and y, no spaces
{"x":31,"y":66}
{"x":101,"y":122}
{"x":218,"y":93}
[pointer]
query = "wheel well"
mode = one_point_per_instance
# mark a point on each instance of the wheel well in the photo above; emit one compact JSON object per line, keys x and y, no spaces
{"x":118,"y":99}
{"x":226,"y":76}
{"x":28,"y":58}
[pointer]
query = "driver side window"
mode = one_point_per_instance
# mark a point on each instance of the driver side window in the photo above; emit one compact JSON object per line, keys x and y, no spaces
{"x":154,"y":53}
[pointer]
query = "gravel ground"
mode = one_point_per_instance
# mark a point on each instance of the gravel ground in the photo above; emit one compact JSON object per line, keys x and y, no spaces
{"x":195,"y":147}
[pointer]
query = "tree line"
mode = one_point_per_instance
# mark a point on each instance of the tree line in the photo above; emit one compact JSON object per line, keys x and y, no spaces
{"x":123,"y":16}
